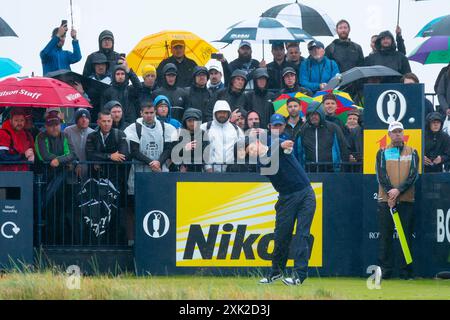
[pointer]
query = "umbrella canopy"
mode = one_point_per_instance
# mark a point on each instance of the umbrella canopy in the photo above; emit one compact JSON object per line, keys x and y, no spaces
{"x":265,"y":29}
{"x":69,"y":76}
{"x":437,"y":27}
{"x":304,"y":17}
{"x":344,"y":103}
{"x":433,"y":50}
{"x":40,"y":93}
{"x":357,"y":73}
{"x":156,"y":47}
{"x":8,"y":67}
{"x":280,"y":104}
{"x":5,"y":29}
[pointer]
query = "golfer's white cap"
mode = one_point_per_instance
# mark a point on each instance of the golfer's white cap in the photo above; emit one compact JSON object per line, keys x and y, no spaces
{"x":395,"y":125}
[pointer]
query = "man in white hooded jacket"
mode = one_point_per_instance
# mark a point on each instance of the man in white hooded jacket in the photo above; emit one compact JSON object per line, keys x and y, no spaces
{"x":222,"y":136}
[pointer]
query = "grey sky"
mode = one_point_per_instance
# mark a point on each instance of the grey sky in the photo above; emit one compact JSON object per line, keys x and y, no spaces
{"x":131,"y":20}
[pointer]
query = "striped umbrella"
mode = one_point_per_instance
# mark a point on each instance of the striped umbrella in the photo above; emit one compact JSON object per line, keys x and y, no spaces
{"x":307,"y":18}
{"x":344,"y":103}
{"x":280,"y":104}
{"x":8,"y":67}
{"x":437,"y":27}
{"x":261,"y":29}
{"x":433,"y":50}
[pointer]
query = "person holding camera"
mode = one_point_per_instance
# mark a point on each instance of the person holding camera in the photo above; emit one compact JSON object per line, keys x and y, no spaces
{"x":53,"y":57}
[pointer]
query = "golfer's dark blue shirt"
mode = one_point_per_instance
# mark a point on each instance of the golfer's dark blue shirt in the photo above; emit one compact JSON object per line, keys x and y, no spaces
{"x":291,"y":177}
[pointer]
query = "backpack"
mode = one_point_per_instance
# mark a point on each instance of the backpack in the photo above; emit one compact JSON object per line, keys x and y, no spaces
{"x":139,"y":130}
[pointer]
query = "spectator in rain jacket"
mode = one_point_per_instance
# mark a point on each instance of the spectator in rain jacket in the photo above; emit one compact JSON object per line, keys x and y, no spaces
{"x":276,"y":67}
{"x":191,"y":139}
{"x":149,"y":85}
{"x":199,"y":97}
{"x":321,"y":141}
{"x":222,"y":136}
{"x":260,"y":99}
{"x":16,"y":143}
{"x":116,"y":110}
{"x":184,"y":65}
{"x":106,"y":47}
{"x":128,"y":96}
{"x":290,"y":83}
{"x":345,"y":52}
{"x":54,"y":58}
{"x":317,"y":70}
{"x":234,"y":95}
{"x":215,"y":79}
{"x":437,"y":144}
{"x":388,"y":56}
{"x":164,"y":111}
{"x":170,"y":88}
{"x":244,"y":62}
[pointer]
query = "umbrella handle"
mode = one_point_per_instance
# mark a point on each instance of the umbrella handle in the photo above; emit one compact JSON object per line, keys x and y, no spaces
{"x":263,"y":49}
{"x":398,"y":13}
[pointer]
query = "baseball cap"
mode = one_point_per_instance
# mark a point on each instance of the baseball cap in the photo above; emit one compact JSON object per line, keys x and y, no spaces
{"x":175,"y":43}
{"x":314,"y":43}
{"x":245,"y":43}
{"x":215,"y":67}
{"x":395,"y":125}
{"x":277,"y":119}
{"x":52,"y":119}
{"x":288,"y":70}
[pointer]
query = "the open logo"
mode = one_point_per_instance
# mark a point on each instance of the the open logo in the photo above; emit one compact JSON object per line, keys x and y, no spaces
{"x":160,"y":224}
{"x":394,"y":106}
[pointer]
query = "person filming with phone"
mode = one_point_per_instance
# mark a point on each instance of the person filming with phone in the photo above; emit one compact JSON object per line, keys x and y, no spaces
{"x":53,"y":57}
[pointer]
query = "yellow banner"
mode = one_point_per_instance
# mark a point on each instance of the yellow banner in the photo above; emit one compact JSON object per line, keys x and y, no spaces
{"x":375,"y":140}
{"x":232,"y":224}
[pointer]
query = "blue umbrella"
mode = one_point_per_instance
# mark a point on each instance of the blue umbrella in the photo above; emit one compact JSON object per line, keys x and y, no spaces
{"x":8,"y":67}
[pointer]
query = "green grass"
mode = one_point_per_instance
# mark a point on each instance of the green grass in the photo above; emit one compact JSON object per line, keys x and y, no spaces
{"x":52,"y":285}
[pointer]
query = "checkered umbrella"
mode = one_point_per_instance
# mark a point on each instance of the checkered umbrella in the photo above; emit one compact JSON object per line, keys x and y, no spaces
{"x":304,"y":17}
{"x":265,"y":29}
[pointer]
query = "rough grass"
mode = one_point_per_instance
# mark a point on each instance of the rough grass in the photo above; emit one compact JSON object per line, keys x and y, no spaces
{"x":51,"y":285}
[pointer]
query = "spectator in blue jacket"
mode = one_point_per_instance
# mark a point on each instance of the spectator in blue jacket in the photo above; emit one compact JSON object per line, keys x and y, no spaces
{"x":164,"y":111}
{"x":54,"y":58}
{"x":317,"y":70}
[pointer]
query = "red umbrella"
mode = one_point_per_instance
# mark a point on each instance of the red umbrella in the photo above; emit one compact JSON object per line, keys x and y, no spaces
{"x":40,"y":92}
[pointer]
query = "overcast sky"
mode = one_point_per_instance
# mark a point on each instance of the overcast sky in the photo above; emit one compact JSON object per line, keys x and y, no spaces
{"x":131,"y":20}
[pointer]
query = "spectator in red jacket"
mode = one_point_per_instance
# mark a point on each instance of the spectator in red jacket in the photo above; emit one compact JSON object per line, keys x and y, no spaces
{"x":16,"y":144}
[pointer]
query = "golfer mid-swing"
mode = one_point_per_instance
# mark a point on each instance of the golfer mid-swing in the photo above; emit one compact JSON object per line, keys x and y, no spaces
{"x":296,"y":203}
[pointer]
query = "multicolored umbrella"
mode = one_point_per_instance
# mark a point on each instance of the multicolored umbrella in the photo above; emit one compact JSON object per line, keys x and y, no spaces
{"x":344,"y":102}
{"x":40,"y":92}
{"x":433,"y":50}
{"x":8,"y":67}
{"x":304,"y":17}
{"x":156,"y":47}
{"x":437,"y":27}
{"x":265,"y":29}
{"x":280,"y":104}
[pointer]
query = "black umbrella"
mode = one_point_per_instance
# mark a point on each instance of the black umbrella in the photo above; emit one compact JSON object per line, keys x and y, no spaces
{"x":306,"y":18}
{"x":357,"y":73}
{"x":70,"y":77}
{"x":5,"y":29}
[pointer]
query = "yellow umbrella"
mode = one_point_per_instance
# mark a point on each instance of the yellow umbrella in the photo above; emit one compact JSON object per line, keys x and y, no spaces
{"x":156,"y":47}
